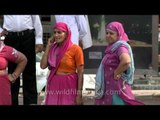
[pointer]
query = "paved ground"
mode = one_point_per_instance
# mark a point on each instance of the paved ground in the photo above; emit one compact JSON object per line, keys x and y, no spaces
{"x":149,"y":97}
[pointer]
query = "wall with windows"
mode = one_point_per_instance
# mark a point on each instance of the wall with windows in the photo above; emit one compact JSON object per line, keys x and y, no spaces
{"x":47,"y":29}
{"x":140,"y":31}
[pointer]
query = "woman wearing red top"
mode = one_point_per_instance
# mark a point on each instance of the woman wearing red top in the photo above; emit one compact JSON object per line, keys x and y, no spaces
{"x":8,"y":53}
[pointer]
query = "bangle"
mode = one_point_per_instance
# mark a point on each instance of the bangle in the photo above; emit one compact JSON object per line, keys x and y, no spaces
{"x":12,"y":80}
{"x":14,"y":76}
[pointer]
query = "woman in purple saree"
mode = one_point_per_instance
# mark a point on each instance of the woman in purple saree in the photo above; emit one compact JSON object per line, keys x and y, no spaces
{"x":117,"y":67}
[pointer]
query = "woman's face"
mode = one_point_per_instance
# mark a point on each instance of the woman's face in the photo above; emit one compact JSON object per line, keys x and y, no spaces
{"x":59,"y":35}
{"x":111,"y":36}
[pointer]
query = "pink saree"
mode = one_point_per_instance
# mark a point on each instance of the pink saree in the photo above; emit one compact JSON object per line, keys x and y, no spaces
{"x":61,"y":90}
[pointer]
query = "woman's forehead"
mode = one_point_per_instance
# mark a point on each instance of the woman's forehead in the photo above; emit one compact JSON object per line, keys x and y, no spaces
{"x":111,"y":31}
{"x":58,"y":30}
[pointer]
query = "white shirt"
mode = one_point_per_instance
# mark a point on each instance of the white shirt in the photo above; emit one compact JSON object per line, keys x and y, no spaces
{"x":17,"y":23}
{"x":87,"y":39}
{"x":77,"y":24}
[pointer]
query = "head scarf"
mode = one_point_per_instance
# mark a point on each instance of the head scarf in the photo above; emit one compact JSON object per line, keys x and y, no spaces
{"x":56,"y":52}
{"x":118,"y":28}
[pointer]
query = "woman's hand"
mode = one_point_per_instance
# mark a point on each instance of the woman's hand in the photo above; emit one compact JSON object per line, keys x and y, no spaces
{"x":123,"y":65}
{"x":11,"y":78}
{"x":117,"y":76}
{"x":38,"y":48}
{"x":50,"y":41}
{"x":3,"y":33}
{"x":79,"y":100}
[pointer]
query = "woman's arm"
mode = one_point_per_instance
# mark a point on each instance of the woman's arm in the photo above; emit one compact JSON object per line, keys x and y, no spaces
{"x":44,"y":60}
{"x":123,"y":65}
{"x":21,"y":64}
{"x":80,"y":71}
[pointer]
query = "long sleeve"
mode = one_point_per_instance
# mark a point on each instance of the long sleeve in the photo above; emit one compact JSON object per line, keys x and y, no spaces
{"x":82,"y":25}
{"x":38,"y":29}
{"x":1,"y":29}
{"x":87,"y":39}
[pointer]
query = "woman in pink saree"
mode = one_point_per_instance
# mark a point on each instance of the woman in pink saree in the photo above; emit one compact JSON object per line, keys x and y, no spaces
{"x":8,"y":53}
{"x":66,"y":63}
{"x":118,"y":68}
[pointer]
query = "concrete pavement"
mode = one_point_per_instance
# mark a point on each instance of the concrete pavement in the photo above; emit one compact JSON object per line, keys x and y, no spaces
{"x":149,"y":97}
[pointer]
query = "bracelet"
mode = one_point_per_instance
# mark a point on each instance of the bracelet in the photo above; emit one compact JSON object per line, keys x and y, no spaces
{"x":14,"y":76}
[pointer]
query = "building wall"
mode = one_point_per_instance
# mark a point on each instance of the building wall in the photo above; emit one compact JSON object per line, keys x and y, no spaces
{"x":141,"y":29}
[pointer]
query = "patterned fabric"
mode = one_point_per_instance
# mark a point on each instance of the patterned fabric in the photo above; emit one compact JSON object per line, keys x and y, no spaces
{"x":129,"y":75}
{"x":117,"y":92}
